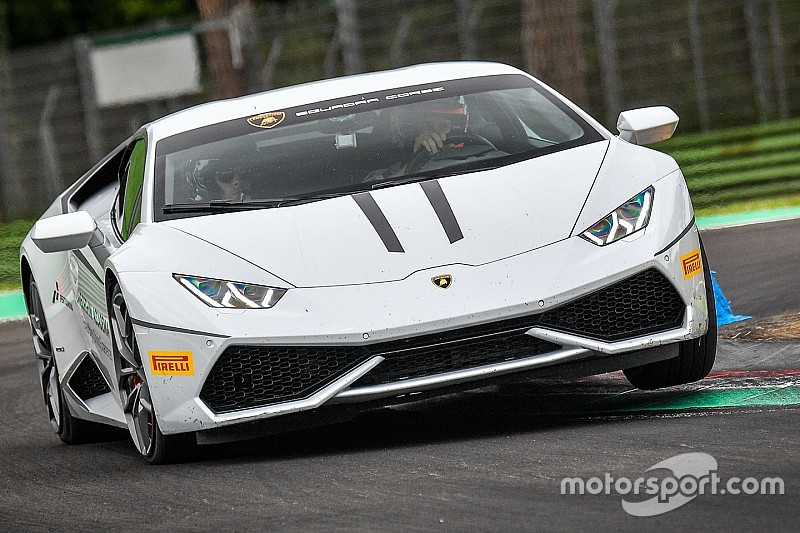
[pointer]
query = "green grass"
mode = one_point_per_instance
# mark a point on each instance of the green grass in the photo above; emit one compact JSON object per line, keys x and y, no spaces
{"x":11,"y":236}
{"x":740,"y":169}
{"x":749,"y":205}
{"x":742,"y":134}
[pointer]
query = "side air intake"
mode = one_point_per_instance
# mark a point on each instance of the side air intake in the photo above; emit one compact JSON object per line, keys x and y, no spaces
{"x":87,"y":380}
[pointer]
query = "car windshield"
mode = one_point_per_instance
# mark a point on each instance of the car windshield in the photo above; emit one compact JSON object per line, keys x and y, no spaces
{"x":325,"y":149}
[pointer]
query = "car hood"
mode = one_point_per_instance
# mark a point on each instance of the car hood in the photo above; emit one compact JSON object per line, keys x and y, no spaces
{"x":341,"y":241}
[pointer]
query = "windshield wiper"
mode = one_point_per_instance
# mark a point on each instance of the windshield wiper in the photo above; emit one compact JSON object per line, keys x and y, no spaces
{"x":433,"y":174}
{"x":216,"y":206}
{"x":413,"y":178}
{"x":445,"y":172}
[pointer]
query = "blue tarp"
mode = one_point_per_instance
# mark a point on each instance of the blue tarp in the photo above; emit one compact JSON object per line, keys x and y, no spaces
{"x":724,"y":313}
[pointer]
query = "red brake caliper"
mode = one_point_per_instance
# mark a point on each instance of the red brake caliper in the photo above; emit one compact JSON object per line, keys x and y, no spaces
{"x":136,"y":380}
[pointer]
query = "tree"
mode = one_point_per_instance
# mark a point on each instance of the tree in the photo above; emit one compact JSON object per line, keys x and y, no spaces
{"x":229,"y":80}
{"x":552,"y":46}
{"x":3,"y":29}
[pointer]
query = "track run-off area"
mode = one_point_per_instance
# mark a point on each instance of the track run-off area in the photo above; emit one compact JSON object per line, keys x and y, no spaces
{"x":493,"y":459}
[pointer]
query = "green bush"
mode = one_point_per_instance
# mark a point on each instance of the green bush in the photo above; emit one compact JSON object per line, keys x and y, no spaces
{"x":11,"y":236}
{"x":729,"y":170}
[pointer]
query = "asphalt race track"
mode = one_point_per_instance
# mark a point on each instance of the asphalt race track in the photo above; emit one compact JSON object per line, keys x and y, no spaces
{"x":489,"y":460}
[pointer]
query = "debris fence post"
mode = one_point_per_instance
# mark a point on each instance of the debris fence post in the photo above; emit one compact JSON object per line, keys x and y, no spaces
{"x":52,"y":170}
{"x":349,"y":37}
{"x":759,"y":65}
{"x":698,"y":65}
{"x":603,"y":15}
{"x":778,"y":63}
{"x":82,"y":46}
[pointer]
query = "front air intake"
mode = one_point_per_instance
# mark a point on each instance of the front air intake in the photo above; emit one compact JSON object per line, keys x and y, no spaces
{"x":642,"y":304}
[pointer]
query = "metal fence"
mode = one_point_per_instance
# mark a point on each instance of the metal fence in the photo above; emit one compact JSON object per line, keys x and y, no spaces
{"x":718,"y":63}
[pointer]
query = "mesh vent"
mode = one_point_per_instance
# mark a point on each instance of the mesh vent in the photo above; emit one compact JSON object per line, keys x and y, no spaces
{"x":87,"y":381}
{"x":639,"y":305}
{"x":456,"y":356}
{"x":251,"y":376}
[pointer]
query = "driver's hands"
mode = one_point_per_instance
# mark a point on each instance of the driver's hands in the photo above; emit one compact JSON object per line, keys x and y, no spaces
{"x":432,"y":141}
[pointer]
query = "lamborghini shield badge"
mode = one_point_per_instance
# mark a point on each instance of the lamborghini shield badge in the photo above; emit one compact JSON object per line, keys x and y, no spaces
{"x":443,"y":282}
{"x":267,"y":120}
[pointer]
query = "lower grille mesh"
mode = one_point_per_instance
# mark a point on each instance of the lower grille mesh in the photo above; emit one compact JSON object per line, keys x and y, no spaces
{"x":430,"y":361}
{"x":248,"y":376}
{"x":255,"y":375}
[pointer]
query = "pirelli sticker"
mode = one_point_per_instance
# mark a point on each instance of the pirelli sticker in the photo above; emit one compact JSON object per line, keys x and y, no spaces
{"x":267,"y":120}
{"x":171,"y":363}
{"x":692,"y":264}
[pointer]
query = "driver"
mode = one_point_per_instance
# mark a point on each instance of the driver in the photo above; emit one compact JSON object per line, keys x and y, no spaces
{"x":227,"y":178}
{"x":232,"y":183}
{"x":422,"y":126}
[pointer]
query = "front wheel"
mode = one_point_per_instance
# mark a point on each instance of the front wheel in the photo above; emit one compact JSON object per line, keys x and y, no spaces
{"x":134,"y":392}
{"x":696,"y":356}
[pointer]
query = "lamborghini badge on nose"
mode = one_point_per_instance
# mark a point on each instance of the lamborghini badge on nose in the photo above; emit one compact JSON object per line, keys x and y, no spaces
{"x":443,"y":282}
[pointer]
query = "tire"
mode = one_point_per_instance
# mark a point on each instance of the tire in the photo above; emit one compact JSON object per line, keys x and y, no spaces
{"x":696,"y":356}
{"x":69,"y":429}
{"x":134,"y":392}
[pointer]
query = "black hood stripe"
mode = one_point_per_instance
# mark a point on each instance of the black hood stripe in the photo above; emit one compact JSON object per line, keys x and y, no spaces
{"x":378,"y":220}
{"x":433,"y":190}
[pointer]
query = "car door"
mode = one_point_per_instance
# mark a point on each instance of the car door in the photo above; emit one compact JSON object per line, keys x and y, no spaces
{"x":115,"y":204}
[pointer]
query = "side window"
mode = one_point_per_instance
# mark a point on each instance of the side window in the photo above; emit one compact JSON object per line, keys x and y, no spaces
{"x":131,"y":183}
{"x":105,"y":175}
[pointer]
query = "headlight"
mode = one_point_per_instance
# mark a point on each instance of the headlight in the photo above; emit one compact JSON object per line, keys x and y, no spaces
{"x":230,"y":294}
{"x":628,"y":218}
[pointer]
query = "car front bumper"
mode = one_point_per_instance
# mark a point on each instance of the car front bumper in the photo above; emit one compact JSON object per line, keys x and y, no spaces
{"x":362,"y":316}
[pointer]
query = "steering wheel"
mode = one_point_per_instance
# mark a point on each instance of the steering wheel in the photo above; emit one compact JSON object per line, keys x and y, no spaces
{"x":423,"y":157}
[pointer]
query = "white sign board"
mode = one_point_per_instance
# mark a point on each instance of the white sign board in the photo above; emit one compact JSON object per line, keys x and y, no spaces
{"x":161,"y":67}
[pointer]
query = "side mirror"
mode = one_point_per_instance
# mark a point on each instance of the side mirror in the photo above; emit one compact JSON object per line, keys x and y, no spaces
{"x":64,"y":232}
{"x":647,"y":125}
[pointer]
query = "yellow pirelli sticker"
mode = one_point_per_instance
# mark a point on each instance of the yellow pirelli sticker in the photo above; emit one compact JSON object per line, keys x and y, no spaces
{"x":692,"y":264}
{"x":171,"y":363}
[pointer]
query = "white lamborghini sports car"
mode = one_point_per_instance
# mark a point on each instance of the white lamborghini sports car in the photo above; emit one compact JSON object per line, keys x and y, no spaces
{"x":292,"y":257}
